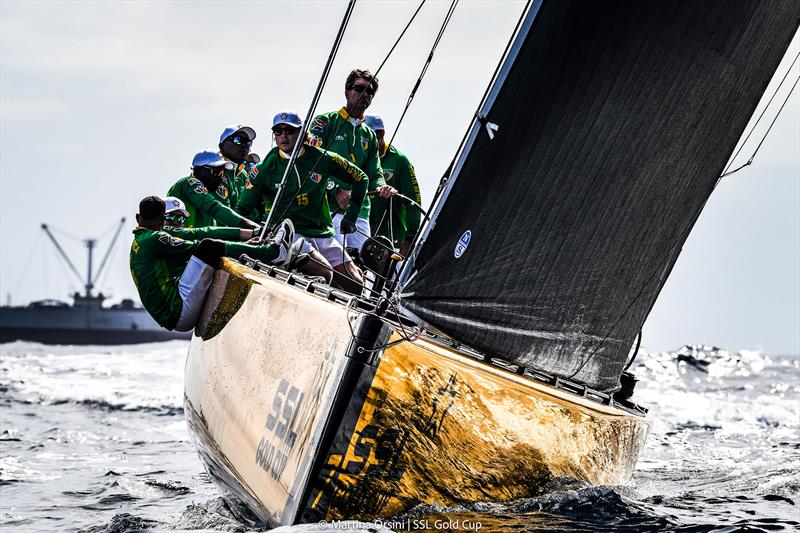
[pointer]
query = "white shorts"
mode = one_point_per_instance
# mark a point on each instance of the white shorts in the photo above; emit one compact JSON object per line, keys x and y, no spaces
{"x":353,"y":240}
{"x":193,"y":286}
{"x":329,"y":247}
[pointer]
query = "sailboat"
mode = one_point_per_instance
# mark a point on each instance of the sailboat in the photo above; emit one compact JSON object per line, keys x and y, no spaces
{"x":498,"y":359}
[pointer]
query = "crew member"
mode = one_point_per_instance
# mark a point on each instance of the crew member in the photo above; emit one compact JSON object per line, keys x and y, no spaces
{"x":304,"y":199}
{"x":234,"y":145}
{"x":175,"y":213}
{"x":206,"y":208}
{"x":345,"y":133}
{"x":394,"y":218}
{"x":173,"y":275}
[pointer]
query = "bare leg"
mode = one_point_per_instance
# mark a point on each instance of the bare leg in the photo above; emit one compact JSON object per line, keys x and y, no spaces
{"x":349,"y":277}
{"x":317,"y":265}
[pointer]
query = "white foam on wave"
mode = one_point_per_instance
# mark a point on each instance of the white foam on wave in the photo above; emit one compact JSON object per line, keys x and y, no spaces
{"x":132,"y":376}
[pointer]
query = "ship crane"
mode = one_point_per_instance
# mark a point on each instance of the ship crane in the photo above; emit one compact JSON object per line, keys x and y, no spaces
{"x":90,"y":245}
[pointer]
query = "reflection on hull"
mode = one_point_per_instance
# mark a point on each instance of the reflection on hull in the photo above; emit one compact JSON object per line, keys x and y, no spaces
{"x":299,"y":420}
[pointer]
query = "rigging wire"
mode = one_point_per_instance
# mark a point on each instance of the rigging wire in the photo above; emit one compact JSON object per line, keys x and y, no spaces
{"x":446,"y":176}
{"x":413,"y":93}
{"x":305,"y":126}
{"x":750,"y":161}
{"x":411,"y":96}
{"x":744,"y":142}
{"x":317,"y":94}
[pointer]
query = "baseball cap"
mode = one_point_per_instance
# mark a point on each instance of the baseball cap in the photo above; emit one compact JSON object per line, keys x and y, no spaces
{"x":287,"y":117}
{"x":230,"y":130}
{"x":209,"y":158}
{"x":175,"y":205}
{"x":375,"y":122}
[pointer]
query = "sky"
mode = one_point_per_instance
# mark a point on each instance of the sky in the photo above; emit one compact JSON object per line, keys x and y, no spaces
{"x":102,"y":104}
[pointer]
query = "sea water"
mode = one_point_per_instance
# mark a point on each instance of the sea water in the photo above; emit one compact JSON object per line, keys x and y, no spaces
{"x":93,"y":439}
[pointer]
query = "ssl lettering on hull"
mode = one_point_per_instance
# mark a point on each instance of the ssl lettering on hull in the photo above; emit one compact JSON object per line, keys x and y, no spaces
{"x":273,"y":449}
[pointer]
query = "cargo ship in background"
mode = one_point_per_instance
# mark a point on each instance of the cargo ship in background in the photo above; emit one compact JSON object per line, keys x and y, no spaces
{"x":86,"y":320}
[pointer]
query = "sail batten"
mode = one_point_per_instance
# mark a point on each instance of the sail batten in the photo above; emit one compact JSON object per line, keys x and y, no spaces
{"x":615,"y":120}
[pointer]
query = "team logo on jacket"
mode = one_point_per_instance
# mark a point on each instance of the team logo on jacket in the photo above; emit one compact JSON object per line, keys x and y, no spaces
{"x":318,"y":125}
{"x":199,"y":188}
{"x":248,"y":184}
{"x":253,"y":172}
{"x":364,"y":143}
{"x":222,"y":191}
{"x":166,"y":238}
{"x":388,"y":174}
{"x":339,"y":138}
{"x":315,"y":177}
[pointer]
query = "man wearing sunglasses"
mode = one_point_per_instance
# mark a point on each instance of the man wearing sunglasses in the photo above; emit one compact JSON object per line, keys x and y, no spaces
{"x":345,"y":133}
{"x":172,"y":268}
{"x":234,"y":145}
{"x":304,"y":200}
{"x":204,"y":207}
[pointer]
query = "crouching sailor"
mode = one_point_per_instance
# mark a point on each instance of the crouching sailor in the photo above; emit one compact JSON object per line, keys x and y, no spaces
{"x":173,"y":267}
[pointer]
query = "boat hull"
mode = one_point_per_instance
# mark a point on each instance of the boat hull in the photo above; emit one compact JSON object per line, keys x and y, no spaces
{"x":299,"y":419}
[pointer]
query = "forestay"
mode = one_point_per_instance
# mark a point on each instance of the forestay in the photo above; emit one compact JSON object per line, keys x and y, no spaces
{"x":600,"y":141}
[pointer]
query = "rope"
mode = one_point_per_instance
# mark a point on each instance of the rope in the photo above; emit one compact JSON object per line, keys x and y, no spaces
{"x":314,"y":101}
{"x":750,"y":161}
{"x":446,"y":21}
{"x":446,"y":176}
{"x":758,"y":120}
{"x":340,"y":125}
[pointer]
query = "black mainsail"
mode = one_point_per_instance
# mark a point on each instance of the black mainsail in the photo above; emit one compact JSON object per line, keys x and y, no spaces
{"x":595,"y":150}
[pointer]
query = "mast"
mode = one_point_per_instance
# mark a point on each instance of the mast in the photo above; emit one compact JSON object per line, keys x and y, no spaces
{"x":90,"y":244}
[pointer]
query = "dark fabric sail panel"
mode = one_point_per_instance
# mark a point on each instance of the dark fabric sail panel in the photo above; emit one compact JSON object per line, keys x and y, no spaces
{"x":615,"y":121}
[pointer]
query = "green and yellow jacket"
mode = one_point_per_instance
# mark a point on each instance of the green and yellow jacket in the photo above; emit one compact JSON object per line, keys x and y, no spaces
{"x":157,"y":260}
{"x":234,"y":182}
{"x":207,"y":208}
{"x":350,"y":138}
{"x":304,"y":199}
{"x":399,"y":173}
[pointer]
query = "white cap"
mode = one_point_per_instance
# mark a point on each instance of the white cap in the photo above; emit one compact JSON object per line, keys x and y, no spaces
{"x":175,"y":205}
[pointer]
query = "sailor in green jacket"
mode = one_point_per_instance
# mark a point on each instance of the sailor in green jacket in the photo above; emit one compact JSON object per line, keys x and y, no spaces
{"x":345,"y":133}
{"x":200,"y":192}
{"x":394,"y":218}
{"x":304,"y":199}
{"x":173,"y":267}
{"x":234,"y":145}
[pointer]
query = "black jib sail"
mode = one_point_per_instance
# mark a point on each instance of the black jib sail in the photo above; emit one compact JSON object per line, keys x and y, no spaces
{"x":597,"y":146}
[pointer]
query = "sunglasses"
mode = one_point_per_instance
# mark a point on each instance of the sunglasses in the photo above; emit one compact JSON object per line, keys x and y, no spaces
{"x":217,"y":171}
{"x":238,"y":140}
{"x":361,"y":88}
{"x":175,"y":218}
{"x":287,"y":131}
